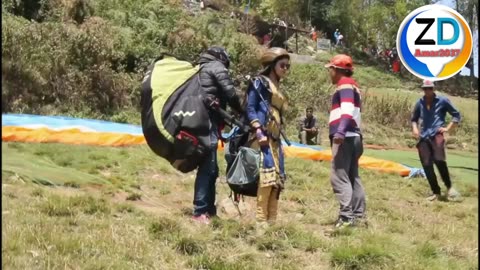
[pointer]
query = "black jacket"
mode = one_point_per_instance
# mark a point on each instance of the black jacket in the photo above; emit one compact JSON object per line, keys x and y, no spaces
{"x":216,"y":82}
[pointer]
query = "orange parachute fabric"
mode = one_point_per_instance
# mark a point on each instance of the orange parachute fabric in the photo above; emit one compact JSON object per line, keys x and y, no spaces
{"x":53,"y":129}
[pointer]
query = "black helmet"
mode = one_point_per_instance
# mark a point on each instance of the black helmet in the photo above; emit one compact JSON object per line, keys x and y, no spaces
{"x":220,"y":54}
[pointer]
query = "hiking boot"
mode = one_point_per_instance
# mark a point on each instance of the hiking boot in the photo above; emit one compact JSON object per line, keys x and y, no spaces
{"x":452,"y":194}
{"x":343,"y":223}
{"x":203,"y":219}
{"x":433,"y":197}
{"x":261,"y":228}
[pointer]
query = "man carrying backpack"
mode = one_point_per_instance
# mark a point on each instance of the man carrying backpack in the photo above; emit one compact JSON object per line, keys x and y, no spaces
{"x":219,"y":90}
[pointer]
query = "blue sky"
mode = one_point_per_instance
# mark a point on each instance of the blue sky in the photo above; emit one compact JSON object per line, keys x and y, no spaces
{"x":466,"y":71}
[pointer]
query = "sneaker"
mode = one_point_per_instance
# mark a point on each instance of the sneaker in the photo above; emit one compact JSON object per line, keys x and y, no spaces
{"x":204,"y":219}
{"x":433,"y":197}
{"x":452,"y":194}
{"x":343,"y":223}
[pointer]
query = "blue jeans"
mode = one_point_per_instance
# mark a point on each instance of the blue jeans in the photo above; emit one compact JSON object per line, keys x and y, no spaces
{"x":207,"y":173}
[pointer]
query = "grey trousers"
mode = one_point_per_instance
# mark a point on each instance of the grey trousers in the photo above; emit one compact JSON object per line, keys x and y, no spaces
{"x":345,"y":180}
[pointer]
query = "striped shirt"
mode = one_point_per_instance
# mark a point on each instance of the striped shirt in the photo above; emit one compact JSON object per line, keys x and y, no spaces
{"x":345,"y":116}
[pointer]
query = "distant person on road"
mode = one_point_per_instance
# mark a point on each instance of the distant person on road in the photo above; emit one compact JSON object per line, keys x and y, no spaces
{"x":346,"y":141}
{"x":266,"y":39}
{"x":308,"y":133}
{"x":313,"y":33}
{"x":340,"y":39}
{"x":432,"y":109}
{"x":335,"y":36}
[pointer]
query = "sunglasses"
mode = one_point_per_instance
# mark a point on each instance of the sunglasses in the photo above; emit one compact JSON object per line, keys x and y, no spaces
{"x":284,"y":66}
{"x":427,"y":88}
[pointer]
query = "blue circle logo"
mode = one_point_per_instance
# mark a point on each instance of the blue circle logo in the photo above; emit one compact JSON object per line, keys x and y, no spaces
{"x":434,"y":42}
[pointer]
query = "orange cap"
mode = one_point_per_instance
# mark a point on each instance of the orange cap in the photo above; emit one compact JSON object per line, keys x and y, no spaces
{"x":341,"y":61}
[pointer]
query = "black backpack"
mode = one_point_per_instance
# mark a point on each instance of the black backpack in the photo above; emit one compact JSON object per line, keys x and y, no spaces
{"x":175,"y":117}
{"x":242,"y":162}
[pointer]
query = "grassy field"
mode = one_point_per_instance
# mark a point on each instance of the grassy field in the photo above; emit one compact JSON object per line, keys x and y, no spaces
{"x":79,"y":207}
{"x":463,"y":166}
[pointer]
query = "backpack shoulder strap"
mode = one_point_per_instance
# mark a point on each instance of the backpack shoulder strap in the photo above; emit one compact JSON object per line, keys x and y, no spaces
{"x":260,"y":80}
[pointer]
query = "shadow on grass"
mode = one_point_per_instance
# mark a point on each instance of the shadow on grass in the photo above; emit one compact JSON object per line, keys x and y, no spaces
{"x":465,"y":168}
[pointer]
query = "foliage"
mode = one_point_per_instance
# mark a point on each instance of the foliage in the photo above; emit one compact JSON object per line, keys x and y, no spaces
{"x":95,"y":64}
{"x":287,"y":10}
{"x":86,"y":58}
{"x":62,"y":65}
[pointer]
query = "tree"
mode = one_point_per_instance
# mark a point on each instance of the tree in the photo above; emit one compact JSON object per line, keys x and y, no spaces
{"x":468,"y":9}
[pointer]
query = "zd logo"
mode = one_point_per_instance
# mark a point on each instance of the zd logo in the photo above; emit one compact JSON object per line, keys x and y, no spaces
{"x":434,"y":42}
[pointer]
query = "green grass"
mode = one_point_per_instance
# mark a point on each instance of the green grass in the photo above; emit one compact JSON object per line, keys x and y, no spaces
{"x":463,"y":166}
{"x":99,"y":226}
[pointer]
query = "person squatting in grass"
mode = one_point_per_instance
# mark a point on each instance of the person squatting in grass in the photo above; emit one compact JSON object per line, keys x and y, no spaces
{"x":432,"y":109}
{"x":309,"y":133}
{"x":217,"y":86}
{"x":266,"y":118}
{"x":346,"y":142}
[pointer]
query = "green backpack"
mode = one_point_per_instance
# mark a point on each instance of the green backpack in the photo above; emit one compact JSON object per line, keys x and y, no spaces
{"x":175,"y":119}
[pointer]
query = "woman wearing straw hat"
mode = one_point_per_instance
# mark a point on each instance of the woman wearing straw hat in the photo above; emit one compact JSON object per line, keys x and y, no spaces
{"x":265,"y":106}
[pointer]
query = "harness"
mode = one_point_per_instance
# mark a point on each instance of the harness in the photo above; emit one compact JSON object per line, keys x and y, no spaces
{"x":256,"y":85}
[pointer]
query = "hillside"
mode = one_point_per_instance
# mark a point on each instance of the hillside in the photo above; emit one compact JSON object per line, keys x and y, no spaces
{"x":87,"y":60}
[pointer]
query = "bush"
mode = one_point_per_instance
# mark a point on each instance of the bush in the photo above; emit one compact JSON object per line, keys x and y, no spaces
{"x":62,"y":65}
{"x":93,"y":65}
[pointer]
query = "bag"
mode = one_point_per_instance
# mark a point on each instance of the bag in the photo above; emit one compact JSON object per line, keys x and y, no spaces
{"x":238,"y":158}
{"x":243,"y":175}
{"x":175,"y":118}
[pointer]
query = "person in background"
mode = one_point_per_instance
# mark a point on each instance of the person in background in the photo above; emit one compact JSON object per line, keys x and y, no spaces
{"x":432,"y":109}
{"x":309,"y":133}
{"x":335,"y":36}
{"x":218,"y":88}
{"x":266,"y":105}
{"x":266,"y":39}
{"x":346,"y":142}
{"x":340,"y":39}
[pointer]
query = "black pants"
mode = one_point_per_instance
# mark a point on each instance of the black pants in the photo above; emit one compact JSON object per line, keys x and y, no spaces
{"x":432,"y":151}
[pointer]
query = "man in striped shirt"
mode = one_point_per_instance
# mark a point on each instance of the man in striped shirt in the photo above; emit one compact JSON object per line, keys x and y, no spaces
{"x":346,"y":141}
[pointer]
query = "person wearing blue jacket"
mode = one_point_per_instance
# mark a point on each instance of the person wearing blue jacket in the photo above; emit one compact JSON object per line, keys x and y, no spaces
{"x":266,"y":105}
